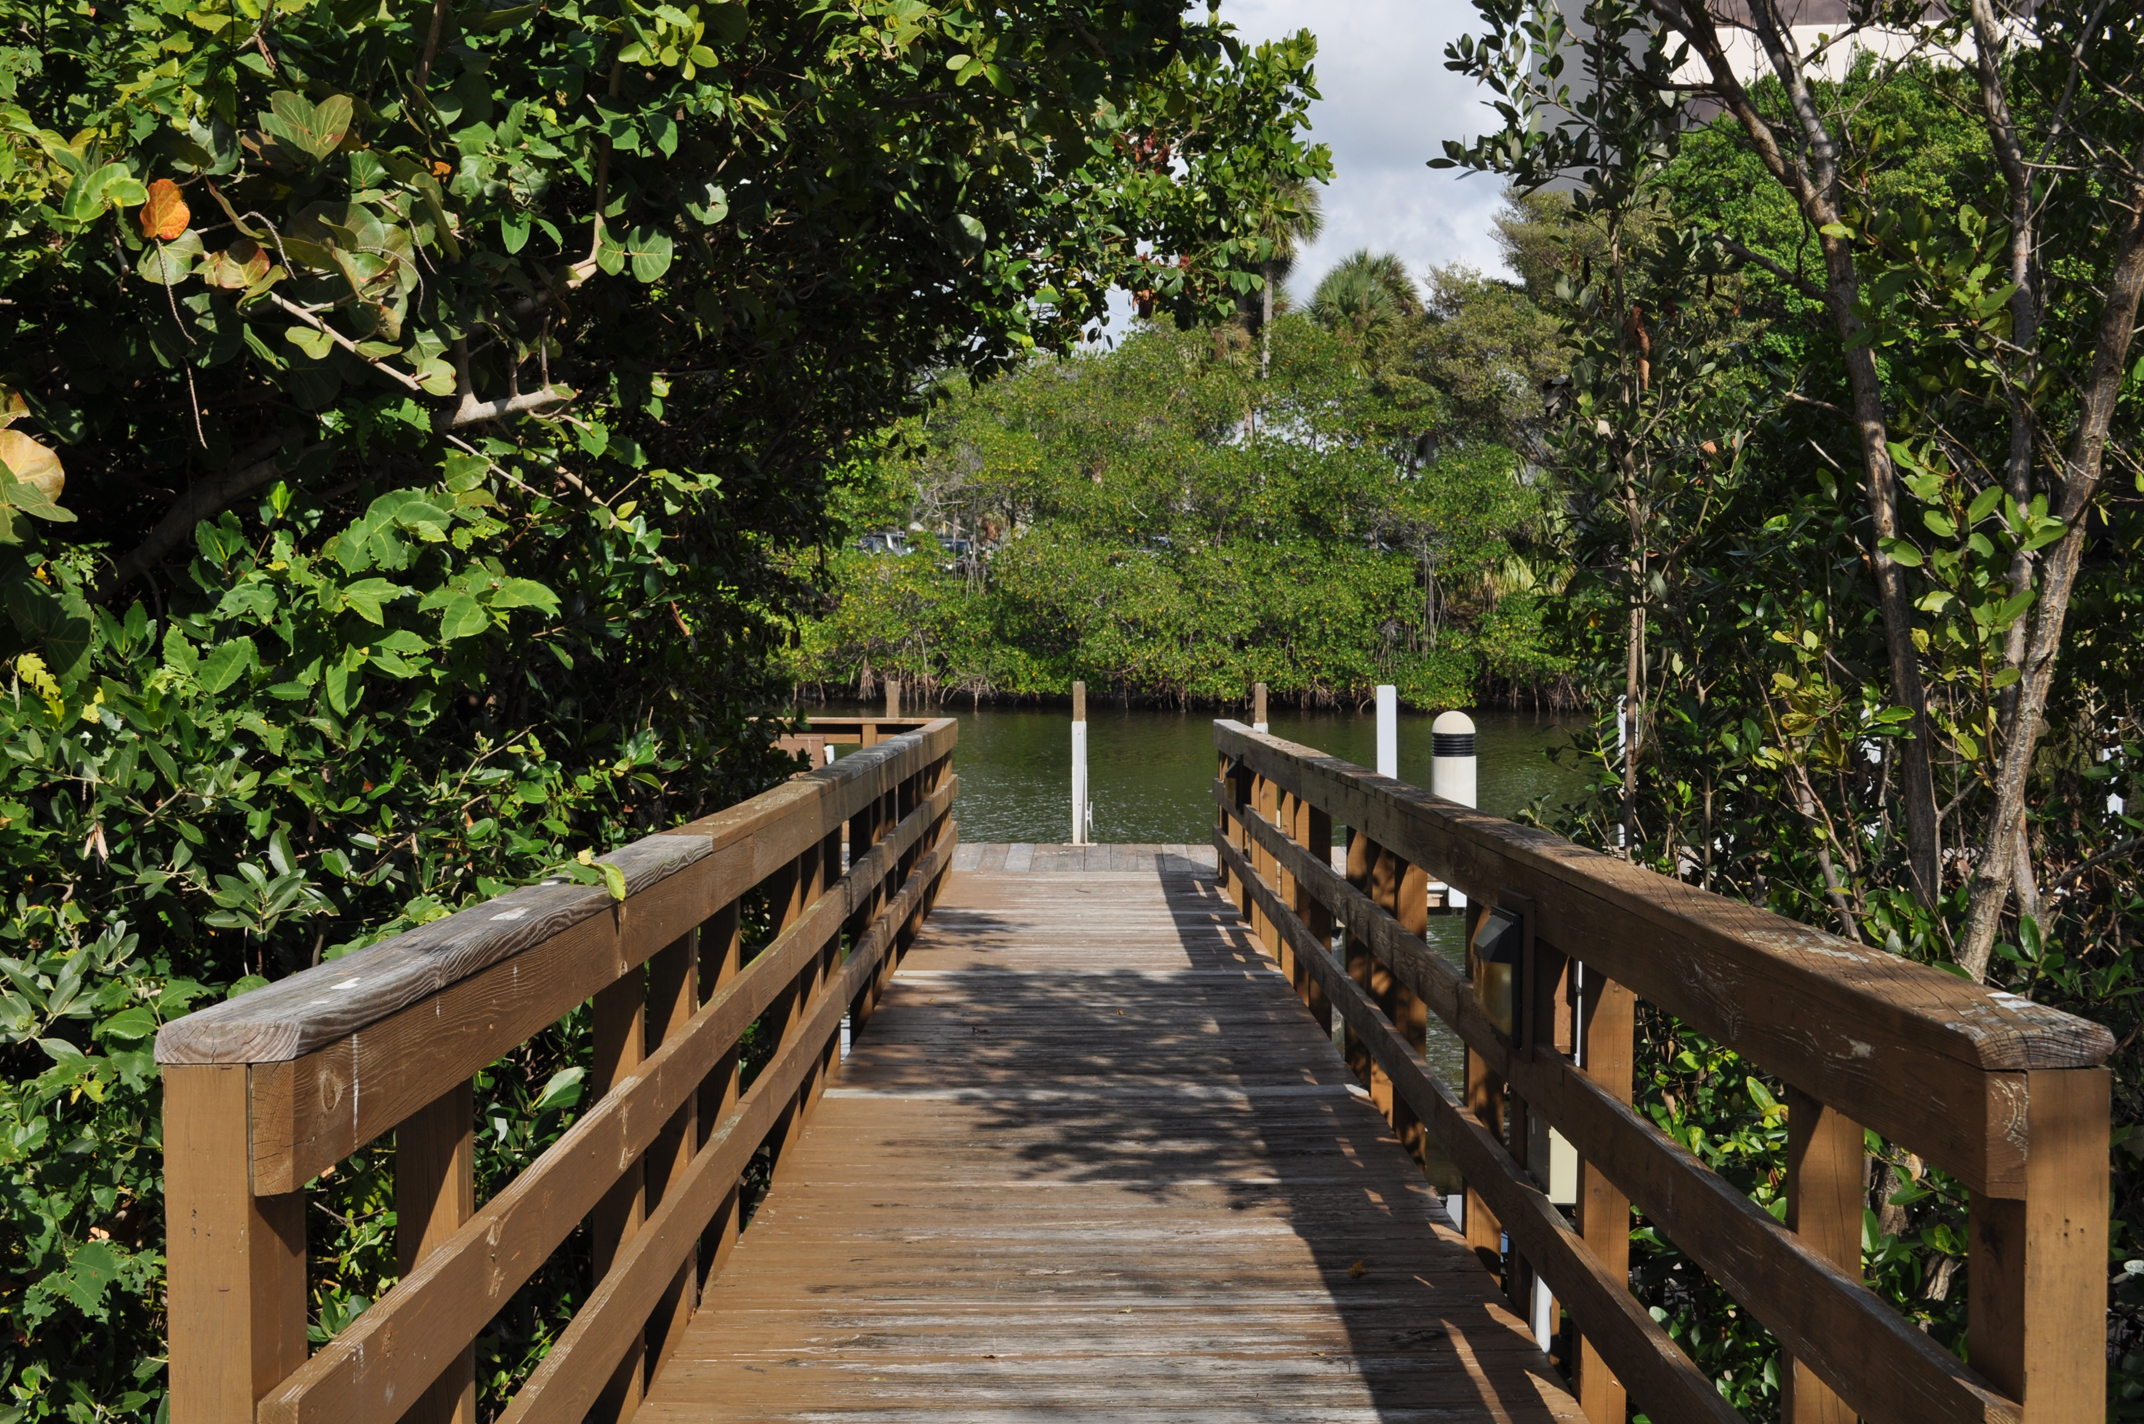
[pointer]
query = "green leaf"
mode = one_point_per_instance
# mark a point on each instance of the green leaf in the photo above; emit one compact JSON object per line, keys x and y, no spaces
{"x":169,"y":263}
{"x":129,"y":1025}
{"x":525,"y":593}
{"x":366,"y":595}
{"x":311,"y":340}
{"x":463,"y":617}
{"x":229,"y":661}
{"x":652,"y":250}
{"x":1983,"y":502}
{"x":562,"y":1091}
{"x":91,"y":1270}
{"x":1899,"y":551}
{"x":1939,"y":524}
{"x":613,"y":879}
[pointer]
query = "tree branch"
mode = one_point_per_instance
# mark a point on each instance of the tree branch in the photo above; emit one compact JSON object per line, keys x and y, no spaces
{"x":474,"y":412}
{"x":1795,"y":280}
{"x":255,"y":466}
{"x":407,"y":380}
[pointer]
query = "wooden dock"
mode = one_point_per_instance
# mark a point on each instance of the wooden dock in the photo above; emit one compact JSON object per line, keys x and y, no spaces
{"x":1092,"y":1159}
{"x":1091,"y":1153}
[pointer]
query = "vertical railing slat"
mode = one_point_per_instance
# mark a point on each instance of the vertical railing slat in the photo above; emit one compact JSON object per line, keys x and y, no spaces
{"x":235,"y":1262}
{"x":673,"y":996}
{"x":721,"y":960}
{"x":1607,"y":1029}
{"x":435,"y":1192}
{"x":620,"y":1047}
{"x":2038,"y":1264}
{"x":1827,"y":1176}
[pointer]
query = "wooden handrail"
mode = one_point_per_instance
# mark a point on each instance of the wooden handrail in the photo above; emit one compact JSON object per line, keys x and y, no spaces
{"x":2009,"y":1095}
{"x":266,"y":1091}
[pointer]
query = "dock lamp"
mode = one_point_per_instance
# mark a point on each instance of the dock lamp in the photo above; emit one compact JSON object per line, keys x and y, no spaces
{"x":1498,"y":950}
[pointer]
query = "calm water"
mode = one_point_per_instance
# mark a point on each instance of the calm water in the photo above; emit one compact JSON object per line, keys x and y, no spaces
{"x":1150,"y":777}
{"x":1150,"y":773}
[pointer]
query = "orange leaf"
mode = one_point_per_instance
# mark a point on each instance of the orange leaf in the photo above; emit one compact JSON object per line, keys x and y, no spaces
{"x":165,"y":215}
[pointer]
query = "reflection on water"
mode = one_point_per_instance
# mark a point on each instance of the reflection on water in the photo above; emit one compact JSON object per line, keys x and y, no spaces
{"x":1150,"y":776}
{"x":1150,"y":773}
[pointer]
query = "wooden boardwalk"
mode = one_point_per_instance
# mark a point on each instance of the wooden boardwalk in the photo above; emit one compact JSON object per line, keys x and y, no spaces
{"x":1092,"y":1160}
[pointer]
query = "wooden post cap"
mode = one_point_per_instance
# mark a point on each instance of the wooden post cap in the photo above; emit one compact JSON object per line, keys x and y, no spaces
{"x":1079,"y":701}
{"x":893,"y":697}
{"x":1258,"y":704}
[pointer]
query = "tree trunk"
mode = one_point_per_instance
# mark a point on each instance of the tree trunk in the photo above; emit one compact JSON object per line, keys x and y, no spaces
{"x":1265,"y":324}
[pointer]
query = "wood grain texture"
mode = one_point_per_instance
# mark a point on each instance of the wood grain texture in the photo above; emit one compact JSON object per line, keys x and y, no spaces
{"x":1829,"y":1025}
{"x":1855,"y":1343}
{"x":1658,"y":1373}
{"x":1706,"y":958}
{"x":400,"y":1345}
{"x":1606,"y":1027}
{"x":1827,"y":1195}
{"x":308,"y":1010}
{"x":236,"y":1262}
{"x":317,"y":1110}
{"x":1092,"y":1160}
{"x":435,"y":1192}
{"x":2039,"y":1264}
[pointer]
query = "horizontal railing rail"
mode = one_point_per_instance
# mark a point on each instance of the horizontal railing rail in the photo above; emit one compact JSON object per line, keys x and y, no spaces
{"x":266,"y":1092}
{"x":2010,"y":1096}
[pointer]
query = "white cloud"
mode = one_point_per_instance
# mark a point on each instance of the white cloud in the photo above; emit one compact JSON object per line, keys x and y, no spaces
{"x":1388,"y":105}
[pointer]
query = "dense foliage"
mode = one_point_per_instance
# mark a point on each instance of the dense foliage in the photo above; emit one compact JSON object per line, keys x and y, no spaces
{"x":1850,"y":434}
{"x":415,"y":419}
{"x":1163,"y":521}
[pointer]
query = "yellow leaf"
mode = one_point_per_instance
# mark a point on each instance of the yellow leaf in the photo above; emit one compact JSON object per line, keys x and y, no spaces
{"x":165,"y":215}
{"x":1358,"y":1270}
{"x":32,"y":463}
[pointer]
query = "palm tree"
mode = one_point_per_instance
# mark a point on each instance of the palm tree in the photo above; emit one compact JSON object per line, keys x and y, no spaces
{"x":1364,"y":291}
{"x":1290,"y":222}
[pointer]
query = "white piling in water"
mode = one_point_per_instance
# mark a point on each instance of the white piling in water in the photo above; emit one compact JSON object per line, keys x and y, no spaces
{"x":1452,"y":771}
{"x":1258,"y":709}
{"x":1388,"y":730}
{"x":1079,"y":763}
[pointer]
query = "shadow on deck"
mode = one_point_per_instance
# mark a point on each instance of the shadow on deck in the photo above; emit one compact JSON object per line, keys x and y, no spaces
{"x":1092,"y":1158}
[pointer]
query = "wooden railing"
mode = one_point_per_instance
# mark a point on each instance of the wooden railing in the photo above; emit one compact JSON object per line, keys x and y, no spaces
{"x":264,"y":1093}
{"x":2008,"y":1096}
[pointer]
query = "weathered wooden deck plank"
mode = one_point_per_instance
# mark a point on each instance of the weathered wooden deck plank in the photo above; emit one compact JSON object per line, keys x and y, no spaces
{"x":1091,"y":1160}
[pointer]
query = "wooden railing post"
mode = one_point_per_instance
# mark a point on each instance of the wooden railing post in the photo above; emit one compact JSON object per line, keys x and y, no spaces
{"x":236,"y":1262}
{"x":1827,"y":1194}
{"x":620,"y":1047}
{"x":1265,"y":800}
{"x":1484,"y":1099}
{"x":722,"y":959}
{"x":673,"y":997}
{"x":435,"y":1192}
{"x":1314,"y":832}
{"x":2038,"y":1263}
{"x":805,"y":883}
{"x":1239,"y":786}
{"x":1607,"y":1030}
{"x":1362,"y":967}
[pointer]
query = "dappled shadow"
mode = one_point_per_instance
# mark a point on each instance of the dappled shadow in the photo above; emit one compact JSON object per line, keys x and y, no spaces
{"x":1118,"y":1042}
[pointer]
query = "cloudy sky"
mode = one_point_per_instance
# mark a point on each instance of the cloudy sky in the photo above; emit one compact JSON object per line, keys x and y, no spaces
{"x":1388,"y":105}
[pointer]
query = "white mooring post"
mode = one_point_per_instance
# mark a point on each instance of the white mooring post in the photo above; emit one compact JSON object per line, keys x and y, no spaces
{"x":1258,"y":709}
{"x":1079,"y":763}
{"x":1388,"y":730}
{"x":1451,"y":771}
